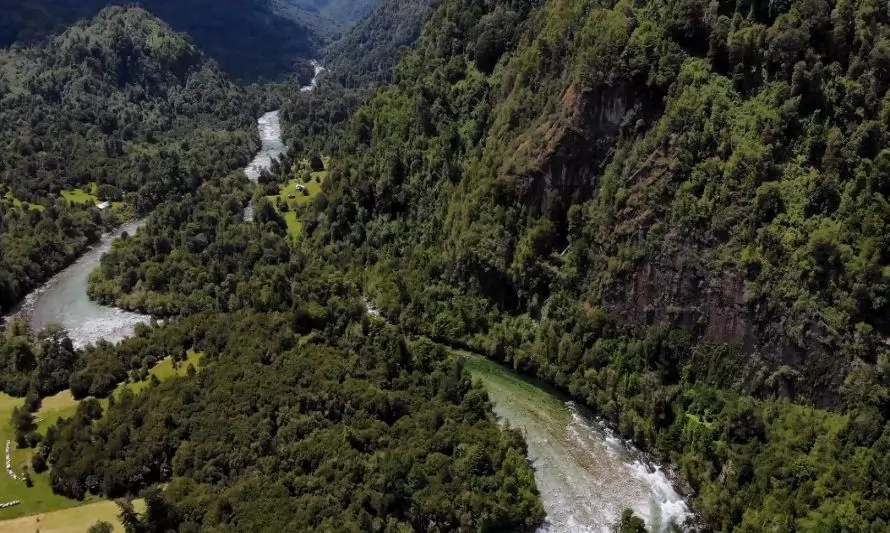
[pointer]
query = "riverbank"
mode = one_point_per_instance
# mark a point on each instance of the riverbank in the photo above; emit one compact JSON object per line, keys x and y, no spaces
{"x":110,"y":323}
{"x":63,"y":300}
{"x":587,"y":473}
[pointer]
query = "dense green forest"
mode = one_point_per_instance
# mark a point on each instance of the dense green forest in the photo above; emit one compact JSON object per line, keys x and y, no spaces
{"x":284,"y":431}
{"x":198,"y":255}
{"x":673,"y":210}
{"x":37,"y":365}
{"x":339,"y":13}
{"x":119,"y":109}
{"x":305,"y":415}
{"x":291,"y":424}
{"x":367,"y":52}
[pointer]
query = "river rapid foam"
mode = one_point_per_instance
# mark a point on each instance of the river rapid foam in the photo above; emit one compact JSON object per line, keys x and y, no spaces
{"x":585,"y":473}
{"x":272,"y":146}
{"x":63,"y":299}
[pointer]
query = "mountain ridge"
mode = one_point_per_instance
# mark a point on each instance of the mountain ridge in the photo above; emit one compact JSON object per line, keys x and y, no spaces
{"x":251,"y":40}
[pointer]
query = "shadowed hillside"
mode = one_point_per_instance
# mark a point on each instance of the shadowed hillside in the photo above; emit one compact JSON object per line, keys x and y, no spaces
{"x":250,"y":39}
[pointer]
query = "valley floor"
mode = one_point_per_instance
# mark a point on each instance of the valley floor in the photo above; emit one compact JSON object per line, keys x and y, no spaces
{"x":39,"y":500}
{"x":74,"y":520}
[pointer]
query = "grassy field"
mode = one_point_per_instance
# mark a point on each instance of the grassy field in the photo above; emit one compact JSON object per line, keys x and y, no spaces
{"x":314,"y":187}
{"x":72,"y":196}
{"x":17,"y":204}
{"x":294,"y":226}
{"x":162,"y":371}
{"x":40,"y":498}
{"x":79,"y":196}
{"x":63,"y":404}
{"x":36,"y":499}
{"x":74,"y":520}
{"x":88,"y":195}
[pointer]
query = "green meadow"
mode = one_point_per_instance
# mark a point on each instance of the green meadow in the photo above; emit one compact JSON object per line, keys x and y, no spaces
{"x":40,"y":499}
{"x":292,"y":196}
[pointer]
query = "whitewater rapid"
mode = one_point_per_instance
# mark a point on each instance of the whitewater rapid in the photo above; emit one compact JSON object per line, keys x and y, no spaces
{"x":314,"y":83}
{"x":63,"y":299}
{"x":269,"y":126}
{"x":585,"y":473}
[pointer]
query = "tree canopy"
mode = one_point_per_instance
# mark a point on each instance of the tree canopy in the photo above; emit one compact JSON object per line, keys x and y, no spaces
{"x":120,"y":110}
{"x":672,"y":210}
{"x":287,"y":430}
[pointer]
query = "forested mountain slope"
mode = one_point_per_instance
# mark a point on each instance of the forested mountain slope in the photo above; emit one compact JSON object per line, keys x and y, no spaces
{"x":250,"y":39}
{"x":367,"y":52}
{"x":358,"y":62}
{"x":675,"y":210}
{"x":340,"y":13}
{"x":119,"y":109}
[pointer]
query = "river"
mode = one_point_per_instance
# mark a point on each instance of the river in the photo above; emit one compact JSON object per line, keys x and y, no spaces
{"x":272,"y":146}
{"x":63,"y":300}
{"x":314,"y":83}
{"x":269,"y":126}
{"x":585,"y":473}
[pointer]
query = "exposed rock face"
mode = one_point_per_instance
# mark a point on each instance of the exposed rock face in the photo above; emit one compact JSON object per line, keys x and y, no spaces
{"x":679,"y":290}
{"x":566,"y":153}
{"x":677,"y":287}
{"x":675,"y":281}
